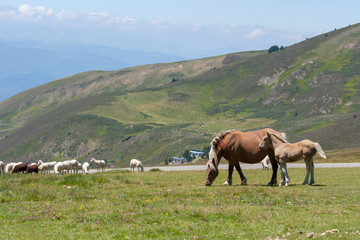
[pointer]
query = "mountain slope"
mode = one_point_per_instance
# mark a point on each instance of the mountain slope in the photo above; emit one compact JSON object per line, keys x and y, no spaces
{"x":154,"y":112}
{"x":26,"y":64}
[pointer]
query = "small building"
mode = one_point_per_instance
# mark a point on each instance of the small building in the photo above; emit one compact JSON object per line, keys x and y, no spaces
{"x":178,"y":160}
{"x":196,"y":153}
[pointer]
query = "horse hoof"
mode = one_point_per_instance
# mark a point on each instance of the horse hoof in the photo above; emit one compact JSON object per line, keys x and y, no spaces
{"x":243,"y":183}
{"x":226,"y":183}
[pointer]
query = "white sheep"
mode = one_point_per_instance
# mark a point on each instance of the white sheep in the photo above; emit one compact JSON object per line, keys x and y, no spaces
{"x":2,"y":168}
{"x":68,"y":166}
{"x":44,"y":167}
{"x":265,"y":163}
{"x":10,"y":166}
{"x":59,"y":168}
{"x":85,"y":167}
{"x":136,"y":163}
{"x":100,"y":164}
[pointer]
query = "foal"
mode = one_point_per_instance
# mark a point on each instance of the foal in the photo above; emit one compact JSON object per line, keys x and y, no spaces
{"x":287,"y":152}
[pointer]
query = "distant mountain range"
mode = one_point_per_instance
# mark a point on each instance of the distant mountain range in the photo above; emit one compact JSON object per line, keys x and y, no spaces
{"x":154,"y":112}
{"x":27,"y":64}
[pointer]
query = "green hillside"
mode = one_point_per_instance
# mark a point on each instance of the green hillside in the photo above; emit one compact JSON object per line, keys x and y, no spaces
{"x":154,"y":112}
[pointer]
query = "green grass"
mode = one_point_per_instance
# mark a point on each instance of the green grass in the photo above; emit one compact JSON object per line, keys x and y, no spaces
{"x":177,"y":205}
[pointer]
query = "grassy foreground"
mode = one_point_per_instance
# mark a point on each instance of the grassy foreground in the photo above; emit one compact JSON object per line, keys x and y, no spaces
{"x":177,"y":205}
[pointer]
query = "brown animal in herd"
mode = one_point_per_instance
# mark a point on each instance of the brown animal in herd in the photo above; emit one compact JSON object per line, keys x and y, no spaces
{"x":19,"y":168}
{"x":236,"y":146}
{"x":34,"y":168}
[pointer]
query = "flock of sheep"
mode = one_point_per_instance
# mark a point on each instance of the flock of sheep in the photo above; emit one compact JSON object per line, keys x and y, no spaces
{"x":69,"y":166}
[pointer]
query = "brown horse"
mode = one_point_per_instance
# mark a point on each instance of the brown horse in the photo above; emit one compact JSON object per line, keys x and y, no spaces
{"x":236,"y":146}
{"x":287,"y":152}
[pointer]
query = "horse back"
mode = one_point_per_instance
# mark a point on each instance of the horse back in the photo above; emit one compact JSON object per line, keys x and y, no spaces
{"x":244,"y":146}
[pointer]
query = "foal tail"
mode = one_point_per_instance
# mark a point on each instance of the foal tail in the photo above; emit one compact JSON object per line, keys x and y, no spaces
{"x":319,"y":150}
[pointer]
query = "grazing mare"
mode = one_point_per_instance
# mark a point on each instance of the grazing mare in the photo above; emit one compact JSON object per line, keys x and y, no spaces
{"x":236,"y":146}
{"x":265,"y":163}
{"x":287,"y":152}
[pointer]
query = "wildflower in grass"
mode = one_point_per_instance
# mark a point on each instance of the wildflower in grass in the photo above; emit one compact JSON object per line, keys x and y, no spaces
{"x":166,"y":214}
{"x":81,"y":207}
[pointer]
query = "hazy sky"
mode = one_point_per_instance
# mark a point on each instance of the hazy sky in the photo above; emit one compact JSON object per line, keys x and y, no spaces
{"x":185,"y":28}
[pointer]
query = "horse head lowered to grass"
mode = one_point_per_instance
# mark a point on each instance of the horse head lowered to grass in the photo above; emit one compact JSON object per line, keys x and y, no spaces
{"x":236,"y":146}
{"x":290,"y":152}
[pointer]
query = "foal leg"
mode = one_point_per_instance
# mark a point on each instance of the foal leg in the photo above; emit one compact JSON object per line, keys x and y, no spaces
{"x":282,"y":173}
{"x":228,"y":182}
{"x":312,"y":180}
{"x":286,"y":175}
{"x":242,"y":176}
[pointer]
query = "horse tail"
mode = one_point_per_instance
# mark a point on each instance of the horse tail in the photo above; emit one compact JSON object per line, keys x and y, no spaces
{"x":320,"y":151}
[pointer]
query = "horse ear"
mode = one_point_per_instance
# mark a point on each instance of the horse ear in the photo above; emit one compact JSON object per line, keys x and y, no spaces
{"x":206,"y":159}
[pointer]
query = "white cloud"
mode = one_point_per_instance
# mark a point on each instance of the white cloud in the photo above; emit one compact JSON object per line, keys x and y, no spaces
{"x":64,"y":15}
{"x":255,"y":33}
{"x":37,"y":11}
{"x":157,"y":21}
{"x":197,"y":27}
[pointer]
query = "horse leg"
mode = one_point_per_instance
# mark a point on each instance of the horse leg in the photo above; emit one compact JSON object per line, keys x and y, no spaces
{"x":274,"y":167}
{"x":312,"y":180}
{"x":242,"y":176}
{"x":308,"y":169}
{"x":230,"y":172}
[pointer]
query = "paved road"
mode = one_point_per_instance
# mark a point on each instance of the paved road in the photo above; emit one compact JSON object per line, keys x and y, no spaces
{"x":243,"y":166}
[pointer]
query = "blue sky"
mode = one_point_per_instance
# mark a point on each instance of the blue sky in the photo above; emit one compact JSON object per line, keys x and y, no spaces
{"x":190,"y":29}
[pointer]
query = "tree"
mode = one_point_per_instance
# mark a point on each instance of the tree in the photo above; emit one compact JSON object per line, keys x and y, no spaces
{"x":273,"y":49}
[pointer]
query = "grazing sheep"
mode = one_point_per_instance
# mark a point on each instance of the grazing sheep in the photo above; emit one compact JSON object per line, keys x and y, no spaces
{"x":265,"y":163}
{"x":136,"y":163}
{"x":2,"y":168}
{"x":85,"y":167}
{"x":74,"y":165}
{"x":10,"y":166}
{"x":67,"y":166}
{"x":100,"y":164}
{"x":19,"y":168}
{"x":44,"y":167}
{"x":78,"y":167}
{"x":33,"y":168}
{"x":59,"y":168}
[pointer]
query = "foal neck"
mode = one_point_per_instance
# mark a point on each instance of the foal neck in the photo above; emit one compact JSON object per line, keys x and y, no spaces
{"x":276,"y":140}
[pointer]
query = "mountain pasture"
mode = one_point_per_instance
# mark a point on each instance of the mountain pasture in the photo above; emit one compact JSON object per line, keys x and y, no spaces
{"x":154,"y":112}
{"x":178,"y":205}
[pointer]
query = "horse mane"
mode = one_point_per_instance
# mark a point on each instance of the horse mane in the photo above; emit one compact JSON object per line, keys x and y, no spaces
{"x":216,"y":141}
{"x":213,"y":160}
{"x":281,"y":137}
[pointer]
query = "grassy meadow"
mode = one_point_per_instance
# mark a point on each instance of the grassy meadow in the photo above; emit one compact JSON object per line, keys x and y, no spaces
{"x":177,"y":205}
